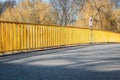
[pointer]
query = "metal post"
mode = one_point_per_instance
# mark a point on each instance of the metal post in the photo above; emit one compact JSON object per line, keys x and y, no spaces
{"x":91,"y":32}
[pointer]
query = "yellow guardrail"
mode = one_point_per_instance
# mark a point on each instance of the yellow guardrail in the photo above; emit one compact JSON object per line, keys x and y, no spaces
{"x":22,"y":36}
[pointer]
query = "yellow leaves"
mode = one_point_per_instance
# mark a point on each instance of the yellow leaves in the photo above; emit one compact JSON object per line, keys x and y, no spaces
{"x":28,"y":11}
{"x":104,"y":16}
{"x":35,"y":11}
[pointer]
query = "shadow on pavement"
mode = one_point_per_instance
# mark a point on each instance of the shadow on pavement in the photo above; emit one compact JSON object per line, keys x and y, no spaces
{"x":29,"y":72}
{"x":21,"y":55}
{"x":75,"y":63}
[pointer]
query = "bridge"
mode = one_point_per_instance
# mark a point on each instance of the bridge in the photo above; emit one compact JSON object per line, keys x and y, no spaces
{"x":42,"y":52}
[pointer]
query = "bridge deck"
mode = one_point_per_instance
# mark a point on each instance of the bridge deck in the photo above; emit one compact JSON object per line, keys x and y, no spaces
{"x":90,"y":62}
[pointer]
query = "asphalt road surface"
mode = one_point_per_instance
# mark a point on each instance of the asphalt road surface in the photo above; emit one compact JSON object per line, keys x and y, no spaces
{"x":88,"y":62}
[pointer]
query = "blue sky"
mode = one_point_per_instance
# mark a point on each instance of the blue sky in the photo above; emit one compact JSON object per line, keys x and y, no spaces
{"x":1,"y":0}
{"x":46,"y":0}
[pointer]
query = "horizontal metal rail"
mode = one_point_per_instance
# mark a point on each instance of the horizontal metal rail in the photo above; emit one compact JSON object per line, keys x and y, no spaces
{"x":24,"y":37}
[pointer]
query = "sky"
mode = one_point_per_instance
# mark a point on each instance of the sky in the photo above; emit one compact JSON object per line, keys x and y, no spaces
{"x":2,"y":0}
{"x":18,"y":0}
{"x":49,"y":0}
{"x":46,"y":0}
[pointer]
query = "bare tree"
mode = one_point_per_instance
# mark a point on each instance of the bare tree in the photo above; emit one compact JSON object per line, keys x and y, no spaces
{"x":105,"y":15}
{"x":1,"y":8}
{"x":116,"y":3}
{"x":5,"y":5}
{"x":67,"y":10}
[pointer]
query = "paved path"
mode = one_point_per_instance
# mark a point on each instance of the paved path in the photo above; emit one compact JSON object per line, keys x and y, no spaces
{"x":90,"y":62}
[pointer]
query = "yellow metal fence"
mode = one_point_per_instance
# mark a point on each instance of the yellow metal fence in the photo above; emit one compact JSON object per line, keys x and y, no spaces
{"x":22,"y":36}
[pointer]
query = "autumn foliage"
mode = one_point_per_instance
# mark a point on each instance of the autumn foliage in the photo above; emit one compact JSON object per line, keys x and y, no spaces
{"x":69,"y":12}
{"x":104,"y":15}
{"x":28,"y":11}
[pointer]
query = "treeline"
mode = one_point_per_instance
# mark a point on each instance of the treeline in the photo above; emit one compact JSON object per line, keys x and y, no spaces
{"x":105,"y":13}
{"x":6,"y":4}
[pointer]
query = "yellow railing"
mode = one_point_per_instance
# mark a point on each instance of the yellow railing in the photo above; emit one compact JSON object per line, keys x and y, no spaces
{"x":23,"y":37}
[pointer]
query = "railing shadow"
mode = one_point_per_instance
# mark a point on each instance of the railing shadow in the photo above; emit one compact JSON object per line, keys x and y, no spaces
{"x":62,"y":64}
{"x":32,"y":72}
